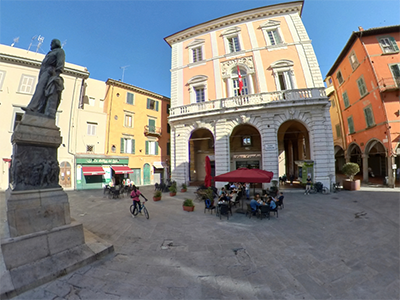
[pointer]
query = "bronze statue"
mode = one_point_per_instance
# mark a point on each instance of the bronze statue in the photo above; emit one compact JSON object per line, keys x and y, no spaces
{"x":47,"y":95}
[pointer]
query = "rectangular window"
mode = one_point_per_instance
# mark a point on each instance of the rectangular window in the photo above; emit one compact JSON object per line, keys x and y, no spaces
{"x":285,"y":80}
{"x":338,"y":131}
{"x":2,"y":75}
{"x":369,"y":116}
{"x":92,"y":101}
{"x":152,"y":104}
{"x":339,"y":77}
{"x":151,"y":148}
{"x":388,"y":45}
{"x":396,"y":73}
{"x":234,"y":45}
{"x":199,"y":94}
{"x":128,"y":121}
{"x":17,"y":120}
{"x":246,"y":141}
{"x":26,"y":84}
{"x":353,"y":60}
{"x":274,"y":37}
{"x":350,"y":124}
{"x":129,"y":98}
{"x":152,"y":125}
{"x":346,"y":100}
{"x":168,"y":128}
{"x":127,"y":146}
{"x":362,"y":87}
{"x":91,"y":128}
{"x":197,"y":54}
{"x":168,"y":108}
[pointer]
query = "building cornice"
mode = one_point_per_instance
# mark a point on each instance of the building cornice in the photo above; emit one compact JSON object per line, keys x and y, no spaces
{"x":236,"y":18}
{"x":136,"y":89}
{"x":31,"y":63}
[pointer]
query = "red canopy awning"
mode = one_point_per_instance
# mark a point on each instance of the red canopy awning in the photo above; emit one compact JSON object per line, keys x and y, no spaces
{"x":122,"y":169}
{"x":246,"y":175}
{"x":93,"y":171}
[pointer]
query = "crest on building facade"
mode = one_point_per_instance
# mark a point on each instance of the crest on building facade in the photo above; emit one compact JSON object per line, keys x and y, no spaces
{"x":226,"y":66}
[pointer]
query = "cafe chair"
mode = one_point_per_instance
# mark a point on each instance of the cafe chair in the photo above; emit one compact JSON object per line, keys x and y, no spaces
{"x":275,"y":210}
{"x":264,"y":211}
{"x":208,"y":206}
{"x":223,"y":211}
{"x":280,"y":202}
{"x":249,"y":211}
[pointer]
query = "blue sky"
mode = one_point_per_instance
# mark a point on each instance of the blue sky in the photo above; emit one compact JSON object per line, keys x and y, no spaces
{"x":107,"y":35}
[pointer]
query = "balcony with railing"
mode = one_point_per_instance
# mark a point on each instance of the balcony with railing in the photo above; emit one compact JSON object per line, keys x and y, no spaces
{"x":248,"y":101}
{"x":389,"y":84}
{"x":152,"y":131}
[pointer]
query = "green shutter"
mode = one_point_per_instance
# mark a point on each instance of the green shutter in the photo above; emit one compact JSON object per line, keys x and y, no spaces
{"x":122,"y":145}
{"x":152,"y":125}
{"x":351,"y":124}
{"x":156,"y":105}
{"x":346,"y":100}
{"x":148,"y":103}
{"x":156,"y":148}
{"x":133,"y":146}
{"x":147,"y":147}
{"x":369,"y":119}
{"x":394,"y":44}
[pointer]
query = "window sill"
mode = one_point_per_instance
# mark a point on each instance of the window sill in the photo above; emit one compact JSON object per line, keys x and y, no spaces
{"x":239,"y":53}
{"x":276,"y":47}
{"x":197,"y":63}
{"x":363,"y":96}
{"x":372,"y":126}
{"x":390,"y":53}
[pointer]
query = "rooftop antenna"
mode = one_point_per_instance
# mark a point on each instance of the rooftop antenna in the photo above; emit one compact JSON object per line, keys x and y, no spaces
{"x":40,"y":39}
{"x":123,"y":72}
{"x":16,"y":40}
{"x":33,"y":38}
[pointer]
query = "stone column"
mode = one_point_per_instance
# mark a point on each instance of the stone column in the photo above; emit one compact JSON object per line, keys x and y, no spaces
{"x":365,"y":168}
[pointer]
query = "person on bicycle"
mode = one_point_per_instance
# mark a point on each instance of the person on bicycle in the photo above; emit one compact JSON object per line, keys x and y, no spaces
{"x":308,"y":185}
{"x":135,"y":196}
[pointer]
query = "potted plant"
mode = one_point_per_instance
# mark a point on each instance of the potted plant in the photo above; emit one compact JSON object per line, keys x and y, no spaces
{"x":172,"y":189}
{"x":188,"y":205}
{"x":157,"y":195}
{"x":350,"y":169}
{"x":183,"y":188}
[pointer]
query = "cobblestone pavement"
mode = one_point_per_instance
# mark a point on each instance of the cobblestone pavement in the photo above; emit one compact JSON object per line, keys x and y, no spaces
{"x":337,"y":246}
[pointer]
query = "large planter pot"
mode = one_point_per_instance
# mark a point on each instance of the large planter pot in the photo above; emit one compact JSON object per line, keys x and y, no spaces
{"x":351,"y":185}
{"x":188,"y":208}
{"x":172,"y":194}
{"x":183,"y":190}
{"x":156,"y":198}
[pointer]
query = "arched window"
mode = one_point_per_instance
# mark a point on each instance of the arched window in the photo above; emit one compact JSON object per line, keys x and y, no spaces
{"x":235,"y":82}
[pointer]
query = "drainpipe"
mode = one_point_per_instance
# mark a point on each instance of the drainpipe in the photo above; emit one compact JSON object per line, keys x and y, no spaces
{"x":109,"y":119}
{"x":390,"y":156}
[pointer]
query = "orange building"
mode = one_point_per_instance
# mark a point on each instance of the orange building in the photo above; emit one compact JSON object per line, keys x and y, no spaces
{"x":366,"y":80}
{"x":137,"y":128}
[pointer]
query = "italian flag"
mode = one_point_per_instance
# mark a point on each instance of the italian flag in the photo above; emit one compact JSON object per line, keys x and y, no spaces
{"x":240,"y":81}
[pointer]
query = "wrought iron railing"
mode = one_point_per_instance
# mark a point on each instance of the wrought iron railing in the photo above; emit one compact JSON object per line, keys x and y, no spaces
{"x":152,"y":130}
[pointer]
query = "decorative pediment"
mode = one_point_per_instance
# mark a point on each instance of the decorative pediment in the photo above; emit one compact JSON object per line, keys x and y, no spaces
{"x":270,"y":24}
{"x":283,"y":63}
{"x":197,"y":79}
{"x":196,"y":42}
{"x":232,"y":30}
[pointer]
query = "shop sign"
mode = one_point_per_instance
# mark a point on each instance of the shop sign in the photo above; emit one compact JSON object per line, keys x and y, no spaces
{"x":102,"y":161}
{"x":270,"y":147}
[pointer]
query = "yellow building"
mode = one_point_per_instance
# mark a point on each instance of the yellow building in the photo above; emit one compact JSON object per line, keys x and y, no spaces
{"x":137,"y":128}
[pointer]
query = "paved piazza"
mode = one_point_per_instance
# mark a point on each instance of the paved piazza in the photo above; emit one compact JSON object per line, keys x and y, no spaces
{"x":336,"y":246}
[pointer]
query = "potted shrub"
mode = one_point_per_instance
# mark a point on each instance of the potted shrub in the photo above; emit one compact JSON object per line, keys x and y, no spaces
{"x":183,"y":188}
{"x":157,"y":195}
{"x":172,"y":189}
{"x":350,"y":169}
{"x":188,"y":205}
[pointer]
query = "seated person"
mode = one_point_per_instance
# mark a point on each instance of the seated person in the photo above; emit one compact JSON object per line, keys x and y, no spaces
{"x":257,"y":197}
{"x":223,"y":198}
{"x":271,"y":202}
{"x":254,"y":204}
{"x":232,"y":186}
{"x":280,"y":198}
{"x":222,"y":191}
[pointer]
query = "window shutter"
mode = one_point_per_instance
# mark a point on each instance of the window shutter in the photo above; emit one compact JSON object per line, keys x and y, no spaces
{"x":394,"y":44}
{"x":152,"y":125}
{"x":156,"y":105}
{"x":346,"y":100}
{"x":133,"y":146}
{"x":122,"y":145}
{"x":156,"y":148}
{"x":148,"y":103}
{"x":147,"y":147}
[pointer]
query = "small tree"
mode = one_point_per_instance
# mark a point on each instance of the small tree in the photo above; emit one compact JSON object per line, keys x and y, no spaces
{"x":350,"y":169}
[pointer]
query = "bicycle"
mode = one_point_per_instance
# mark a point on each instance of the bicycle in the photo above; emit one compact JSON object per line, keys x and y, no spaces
{"x":336,"y":187}
{"x":135,"y":211}
{"x":319,"y":188}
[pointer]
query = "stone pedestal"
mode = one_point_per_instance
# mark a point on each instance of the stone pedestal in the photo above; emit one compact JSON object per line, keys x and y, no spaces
{"x":43,"y":244}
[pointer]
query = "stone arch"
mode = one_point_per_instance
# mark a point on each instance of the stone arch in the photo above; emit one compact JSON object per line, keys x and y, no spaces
{"x":201,"y":142}
{"x":377,"y":162}
{"x":354,"y":154}
{"x":340,"y":158}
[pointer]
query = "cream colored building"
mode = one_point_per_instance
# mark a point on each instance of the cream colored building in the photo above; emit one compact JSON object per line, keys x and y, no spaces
{"x":280,"y":122}
{"x":81,"y":105}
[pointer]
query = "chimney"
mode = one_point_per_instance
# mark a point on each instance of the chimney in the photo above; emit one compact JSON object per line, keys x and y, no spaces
{"x":360,"y":28}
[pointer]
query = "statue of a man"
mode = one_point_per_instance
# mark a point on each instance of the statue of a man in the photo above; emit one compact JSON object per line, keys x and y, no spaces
{"x":47,"y":95}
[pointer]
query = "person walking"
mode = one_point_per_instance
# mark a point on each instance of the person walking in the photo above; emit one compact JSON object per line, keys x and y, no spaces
{"x":308,"y":185}
{"x":135,"y":198}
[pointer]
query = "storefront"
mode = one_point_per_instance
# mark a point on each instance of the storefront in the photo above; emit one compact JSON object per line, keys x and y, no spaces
{"x":94,"y":172}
